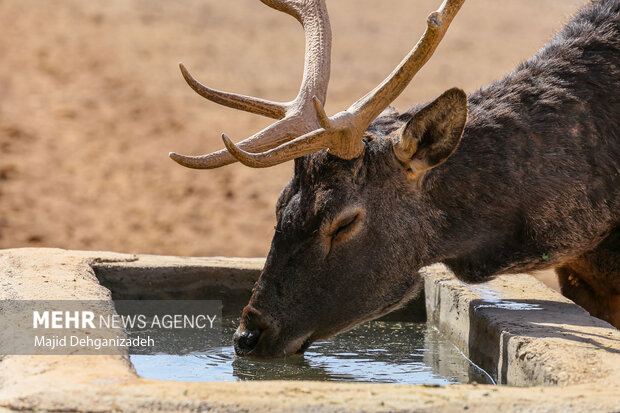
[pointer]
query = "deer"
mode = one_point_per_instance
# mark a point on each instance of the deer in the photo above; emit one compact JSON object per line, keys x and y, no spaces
{"x":518,"y":176}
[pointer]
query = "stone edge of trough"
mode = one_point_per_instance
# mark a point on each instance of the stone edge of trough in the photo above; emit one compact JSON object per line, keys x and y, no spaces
{"x":517,"y":312}
{"x":522,"y":332}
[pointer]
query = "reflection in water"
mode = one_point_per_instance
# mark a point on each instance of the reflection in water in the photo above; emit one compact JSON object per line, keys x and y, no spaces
{"x":375,"y":352}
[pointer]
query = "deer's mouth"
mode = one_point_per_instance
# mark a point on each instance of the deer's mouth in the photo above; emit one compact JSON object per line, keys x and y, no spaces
{"x":265,"y":350}
{"x":298,"y":346}
{"x":304,"y":347}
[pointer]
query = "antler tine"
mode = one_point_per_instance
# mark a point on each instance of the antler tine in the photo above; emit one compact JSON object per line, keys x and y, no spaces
{"x":296,"y":117}
{"x":375,"y":101}
{"x":232,"y":100}
{"x":300,"y":146}
{"x":208,"y":161}
{"x":343,"y":139}
{"x":285,"y":129}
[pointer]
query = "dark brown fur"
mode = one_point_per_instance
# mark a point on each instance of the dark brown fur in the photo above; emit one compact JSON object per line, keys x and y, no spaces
{"x":533,"y":184}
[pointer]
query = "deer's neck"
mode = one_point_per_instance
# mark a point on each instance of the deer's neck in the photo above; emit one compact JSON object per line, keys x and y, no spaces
{"x":523,"y":192}
{"x":534,"y":181}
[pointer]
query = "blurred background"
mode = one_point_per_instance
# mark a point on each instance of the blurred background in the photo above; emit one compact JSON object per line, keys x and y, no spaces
{"x":92,"y":101}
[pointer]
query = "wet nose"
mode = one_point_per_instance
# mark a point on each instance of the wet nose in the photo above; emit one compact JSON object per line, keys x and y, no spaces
{"x":254,"y":325}
{"x":245,"y":341}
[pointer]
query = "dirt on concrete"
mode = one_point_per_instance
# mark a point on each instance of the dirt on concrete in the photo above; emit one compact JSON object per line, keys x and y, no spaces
{"x":92,"y":101}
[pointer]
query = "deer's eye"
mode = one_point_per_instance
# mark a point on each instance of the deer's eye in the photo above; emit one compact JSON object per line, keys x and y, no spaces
{"x":345,"y":227}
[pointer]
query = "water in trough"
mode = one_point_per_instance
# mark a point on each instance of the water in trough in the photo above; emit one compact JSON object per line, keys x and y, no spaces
{"x":379,"y":351}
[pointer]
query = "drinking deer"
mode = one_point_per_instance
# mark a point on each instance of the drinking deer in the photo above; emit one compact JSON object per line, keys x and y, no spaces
{"x":521,"y":175}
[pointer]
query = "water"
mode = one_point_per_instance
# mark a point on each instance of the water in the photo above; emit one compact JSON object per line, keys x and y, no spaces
{"x":375,"y":352}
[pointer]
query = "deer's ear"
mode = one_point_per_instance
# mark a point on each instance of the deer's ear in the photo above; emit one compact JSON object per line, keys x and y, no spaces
{"x":433,"y":133}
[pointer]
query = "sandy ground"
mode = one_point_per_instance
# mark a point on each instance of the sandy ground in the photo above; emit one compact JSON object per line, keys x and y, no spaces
{"x":91,"y":102}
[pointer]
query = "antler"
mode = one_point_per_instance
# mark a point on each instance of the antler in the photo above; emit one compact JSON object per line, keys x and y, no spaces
{"x":304,"y":129}
{"x":296,"y":117}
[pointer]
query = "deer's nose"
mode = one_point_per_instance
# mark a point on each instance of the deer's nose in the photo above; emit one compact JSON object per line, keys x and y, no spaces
{"x":245,"y":341}
{"x":254,"y":325}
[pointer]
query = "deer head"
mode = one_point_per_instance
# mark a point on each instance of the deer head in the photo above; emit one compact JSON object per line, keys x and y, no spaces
{"x":343,"y":249}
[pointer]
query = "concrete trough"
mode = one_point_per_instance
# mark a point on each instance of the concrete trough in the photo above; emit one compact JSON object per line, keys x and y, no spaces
{"x":547,"y":353}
